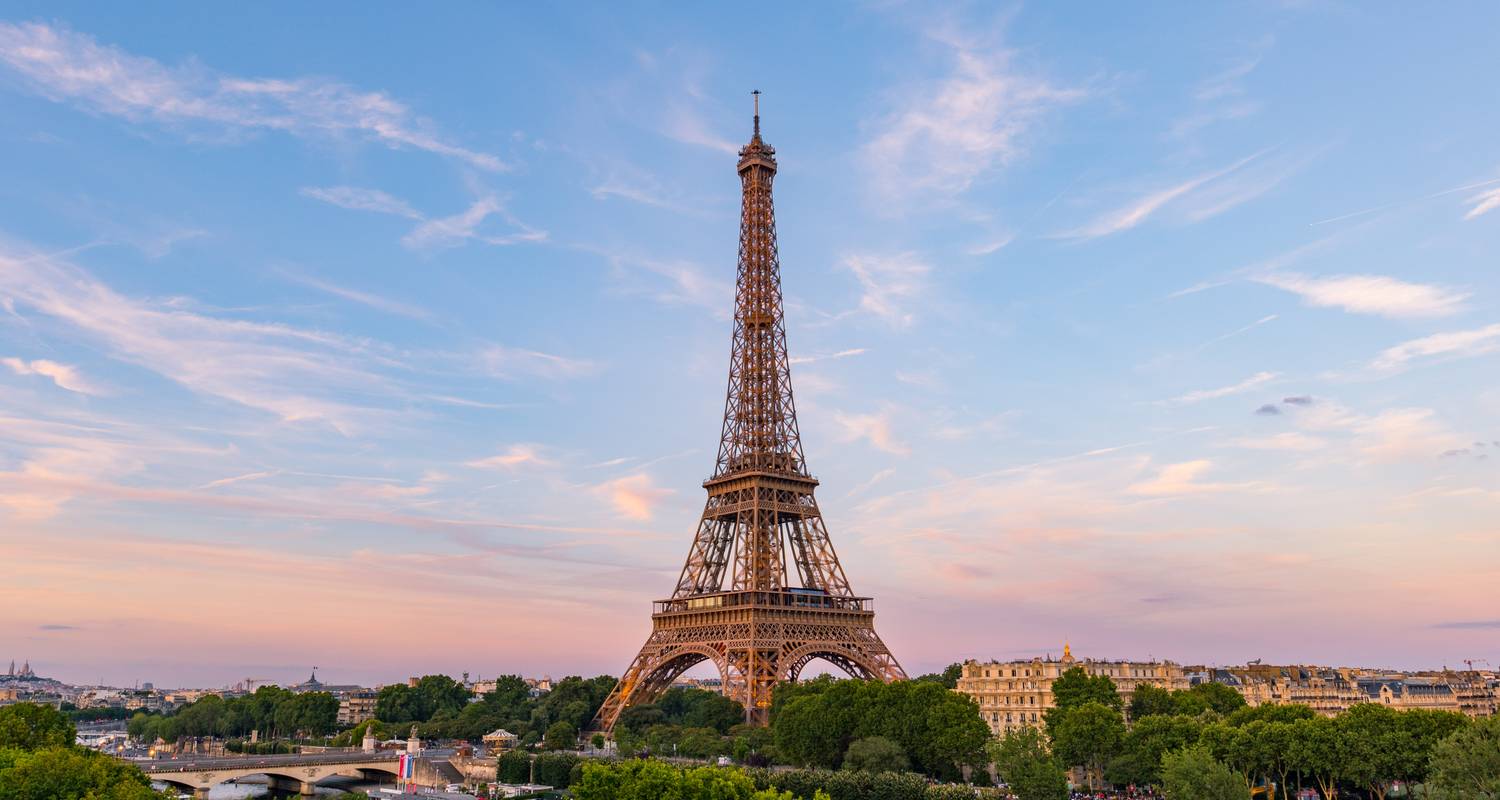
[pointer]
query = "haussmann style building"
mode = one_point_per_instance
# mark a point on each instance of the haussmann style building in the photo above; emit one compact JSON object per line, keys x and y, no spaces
{"x":1015,"y":694}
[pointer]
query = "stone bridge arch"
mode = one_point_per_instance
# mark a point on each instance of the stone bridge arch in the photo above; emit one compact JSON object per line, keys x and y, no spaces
{"x":294,"y":777}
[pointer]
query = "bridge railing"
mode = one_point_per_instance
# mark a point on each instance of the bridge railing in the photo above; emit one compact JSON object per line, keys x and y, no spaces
{"x":249,"y":761}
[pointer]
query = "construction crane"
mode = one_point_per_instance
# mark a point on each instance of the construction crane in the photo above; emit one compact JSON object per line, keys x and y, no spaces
{"x":250,"y":683}
{"x":1470,"y":662}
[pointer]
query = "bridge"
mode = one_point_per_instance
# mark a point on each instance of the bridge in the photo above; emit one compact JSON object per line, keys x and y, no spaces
{"x":299,"y":772}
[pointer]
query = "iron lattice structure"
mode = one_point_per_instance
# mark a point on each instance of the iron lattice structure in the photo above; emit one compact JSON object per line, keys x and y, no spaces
{"x":735,"y":603}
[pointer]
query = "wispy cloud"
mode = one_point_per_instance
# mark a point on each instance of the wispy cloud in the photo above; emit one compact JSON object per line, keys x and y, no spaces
{"x":889,"y":285}
{"x":1393,"y":435}
{"x":1142,"y":209}
{"x":249,"y":476}
{"x":865,"y":486}
{"x":363,"y":298}
{"x":1484,"y":203}
{"x":63,"y":375}
{"x":874,"y":428}
{"x":432,"y":233}
{"x":294,"y":373}
{"x":67,"y":66}
{"x":632,"y":183}
{"x":465,"y":225}
{"x":1471,"y":625}
{"x":1221,"y":96}
{"x":1453,"y":344}
{"x":1404,"y":434}
{"x":464,"y":402}
{"x":510,"y":362}
{"x":1369,"y":294}
{"x":514,"y":457}
{"x":1480,"y":199}
{"x":944,"y":134}
{"x":1181,"y":479}
{"x":685,"y":124}
{"x":1258,"y":379}
{"x":1290,"y":441}
{"x":634,"y":497}
{"x":856,"y":351}
{"x":686,"y":283}
{"x":358,"y":199}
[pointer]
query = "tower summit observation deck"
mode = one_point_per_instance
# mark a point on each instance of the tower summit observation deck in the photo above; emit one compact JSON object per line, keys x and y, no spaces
{"x":736,"y":603}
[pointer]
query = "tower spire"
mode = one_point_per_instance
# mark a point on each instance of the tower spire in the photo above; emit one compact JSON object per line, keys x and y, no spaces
{"x":756,"y":93}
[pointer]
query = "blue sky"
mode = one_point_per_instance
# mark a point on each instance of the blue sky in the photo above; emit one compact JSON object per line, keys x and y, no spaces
{"x":395,"y":342}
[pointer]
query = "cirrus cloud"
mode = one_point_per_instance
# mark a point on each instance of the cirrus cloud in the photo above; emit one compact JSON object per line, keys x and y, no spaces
{"x":1370,"y":294}
{"x":63,"y":65}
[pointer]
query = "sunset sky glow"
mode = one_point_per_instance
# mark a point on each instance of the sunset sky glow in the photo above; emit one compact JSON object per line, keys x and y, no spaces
{"x":395,"y":343}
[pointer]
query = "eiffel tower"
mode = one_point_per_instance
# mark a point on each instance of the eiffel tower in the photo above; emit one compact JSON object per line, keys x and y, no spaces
{"x":735,"y":603}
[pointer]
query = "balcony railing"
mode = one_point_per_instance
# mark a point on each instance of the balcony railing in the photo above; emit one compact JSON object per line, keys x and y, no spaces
{"x":790,"y":598}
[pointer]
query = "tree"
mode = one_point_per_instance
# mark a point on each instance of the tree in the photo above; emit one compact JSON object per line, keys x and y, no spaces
{"x":939,"y":730}
{"x":433,"y":693}
{"x":1270,"y":745}
{"x":66,"y":772}
{"x":636,"y":719}
{"x":561,"y":736}
{"x":317,"y":713}
{"x":954,"y":733}
{"x":555,"y":769}
{"x":1149,"y":738}
{"x":650,"y":780}
{"x":1148,"y":700}
{"x":1192,"y":773}
{"x":513,"y":767}
{"x":948,"y":678}
{"x":1371,"y":745}
{"x":702,"y":743}
{"x":697,"y":708}
{"x":1087,"y":736}
{"x":28,"y":726}
{"x":1210,"y":696}
{"x":1316,"y":750}
{"x":1075,"y":687}
{"x":1466,"y":764}
{"x":807,"y":735}
{"x":1418,"y":732}
{"x":597,"y":740}
{"x":1026,"y":766}
{"x":1271,"y":712}
{"x":875,"y":754}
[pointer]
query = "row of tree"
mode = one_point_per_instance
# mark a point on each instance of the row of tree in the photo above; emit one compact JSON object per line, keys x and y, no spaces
{"x":441,"y":708}
{"x":934,"y":731}
{"x":271,"y":710}
{"x":1187,"y":742}
{"x":694,"y":723}
{"x":39,"y":761}
{"x":444,"y":709}
{"x":651,"y":780}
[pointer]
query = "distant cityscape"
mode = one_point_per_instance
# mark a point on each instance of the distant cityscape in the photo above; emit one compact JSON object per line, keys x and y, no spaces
{"x":1010,"y":694}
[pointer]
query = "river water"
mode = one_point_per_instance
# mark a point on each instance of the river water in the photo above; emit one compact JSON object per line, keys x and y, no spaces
{"x":245,"y":790}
